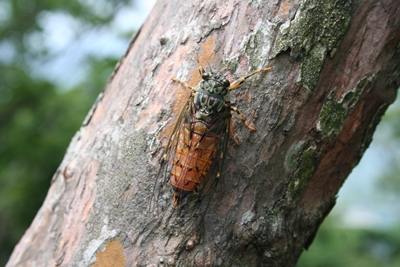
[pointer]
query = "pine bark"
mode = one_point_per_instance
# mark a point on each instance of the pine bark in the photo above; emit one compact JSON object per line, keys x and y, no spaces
{"x":336,"y":70}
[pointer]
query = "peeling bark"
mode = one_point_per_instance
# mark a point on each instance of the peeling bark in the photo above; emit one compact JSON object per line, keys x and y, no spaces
{"x":336,"y":70}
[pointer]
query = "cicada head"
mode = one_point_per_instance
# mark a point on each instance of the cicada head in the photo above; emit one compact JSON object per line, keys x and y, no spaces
{"x":215,"y":83}
{"x":211,"y":95}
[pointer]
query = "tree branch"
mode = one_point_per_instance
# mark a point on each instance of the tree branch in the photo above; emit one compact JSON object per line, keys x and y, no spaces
{"x":336,"y":70}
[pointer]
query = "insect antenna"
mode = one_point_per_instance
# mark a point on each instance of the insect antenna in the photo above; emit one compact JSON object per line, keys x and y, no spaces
{"x":196,"y":56}
{"x":208,"y":63}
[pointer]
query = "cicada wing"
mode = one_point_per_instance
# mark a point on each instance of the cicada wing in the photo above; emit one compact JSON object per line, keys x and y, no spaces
{"x":161,"y":189}
{"x":197,"y":204}
{"x":222,"y":129}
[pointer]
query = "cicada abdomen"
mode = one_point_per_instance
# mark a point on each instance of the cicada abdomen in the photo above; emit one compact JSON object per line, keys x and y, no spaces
{"x":196,"y":149}
{"x":195,"y":152}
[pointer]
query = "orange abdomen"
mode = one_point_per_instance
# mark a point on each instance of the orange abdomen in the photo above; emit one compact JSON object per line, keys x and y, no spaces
{"x":193,"y":157}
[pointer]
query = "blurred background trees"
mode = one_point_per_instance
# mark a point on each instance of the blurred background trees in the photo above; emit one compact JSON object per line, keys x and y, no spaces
{"x":55,"y":58}
{"x":363,"y":230}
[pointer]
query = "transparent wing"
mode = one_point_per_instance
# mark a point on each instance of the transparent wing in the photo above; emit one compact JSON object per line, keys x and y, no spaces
{"x":161,"y":190}
{"x":197,"y":203}
{"x":222,"y":129}
{"x":190,"y":212}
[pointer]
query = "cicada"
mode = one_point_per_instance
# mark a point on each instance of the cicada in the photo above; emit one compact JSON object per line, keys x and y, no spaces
{"x":196,"y":149}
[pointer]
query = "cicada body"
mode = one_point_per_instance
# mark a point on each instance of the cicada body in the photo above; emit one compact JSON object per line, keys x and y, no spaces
{"x":196,"y":148}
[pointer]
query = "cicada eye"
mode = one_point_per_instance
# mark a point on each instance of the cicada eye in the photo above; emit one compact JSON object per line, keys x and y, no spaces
{"x":227,"y":83}
{"x":205,"y":75}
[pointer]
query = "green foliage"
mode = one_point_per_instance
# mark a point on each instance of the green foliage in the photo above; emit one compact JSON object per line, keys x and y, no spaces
{"x":337,"y":247}
{"x":389,"y":180}
{"x":37,"y":117}
{"x":36,"y":127}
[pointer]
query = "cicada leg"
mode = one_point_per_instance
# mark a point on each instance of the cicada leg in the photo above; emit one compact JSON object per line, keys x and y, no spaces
{"x":183,"y":83}
{"x":238,"y":82}
{"x":231,"y":131}
{"x":241,"y":118}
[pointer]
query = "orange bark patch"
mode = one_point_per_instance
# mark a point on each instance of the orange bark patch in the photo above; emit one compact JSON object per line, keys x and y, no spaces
{"x":113,"y":255}
{"x":207,"y":52}
{"x":284,"y":9}
{"x":206,"y":56}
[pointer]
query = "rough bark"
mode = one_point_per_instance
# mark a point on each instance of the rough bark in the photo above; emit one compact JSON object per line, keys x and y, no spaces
{"x":336,"y":70}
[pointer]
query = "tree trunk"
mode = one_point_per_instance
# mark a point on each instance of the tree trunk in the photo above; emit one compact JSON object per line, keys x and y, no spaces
{"x":335,"y":71}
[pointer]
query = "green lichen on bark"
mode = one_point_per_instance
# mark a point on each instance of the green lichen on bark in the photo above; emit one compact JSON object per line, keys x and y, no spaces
{"x":257,"y":46}
{"x":332,"y":116}
{"x":253,"y":48}
{"x":317,"y":28}
{"x":311,"y":66}
{"x":231,"y":64}
{"x":334,"y":112}
{"x":307,"y":162}
{"x":292,"y":156}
